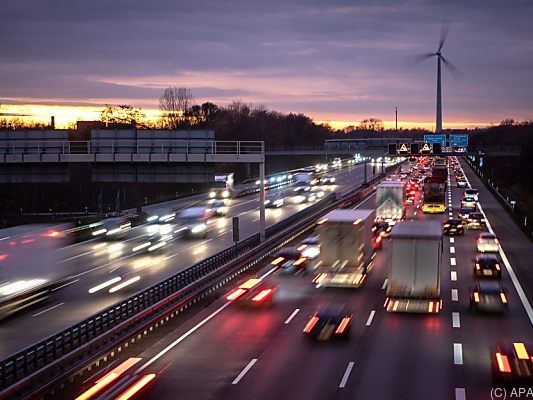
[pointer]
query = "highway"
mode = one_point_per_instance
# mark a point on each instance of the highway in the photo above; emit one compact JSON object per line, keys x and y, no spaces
{"x":93,"y":263}
{"x":227,"y":352}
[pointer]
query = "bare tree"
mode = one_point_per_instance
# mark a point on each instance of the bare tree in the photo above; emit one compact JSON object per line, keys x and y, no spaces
{"x":175,"y":104}
{"x":121,"y":114}
{"x":371,"y":124}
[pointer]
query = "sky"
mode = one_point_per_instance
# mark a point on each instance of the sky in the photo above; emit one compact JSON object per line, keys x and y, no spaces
{"x":336,"y":61}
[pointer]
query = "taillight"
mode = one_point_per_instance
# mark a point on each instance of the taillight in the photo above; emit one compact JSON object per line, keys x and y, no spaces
{"x":477,"y":266}
{"x":521,"y":351}
{"x":310,"y":324}
{"x":300,"y":261}
{"x":497,"y":266}
{"x":343,"y":325}
{"x":503,"y":363}
{"x":504,"y":298}
{"x":262,"y":295}
{"x":476,"y":297}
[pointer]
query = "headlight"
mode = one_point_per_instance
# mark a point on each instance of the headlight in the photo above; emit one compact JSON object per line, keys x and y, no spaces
{"x":198,"y":228}
{"x":221,"y":210}
{"x":225,"y":193}
{"x":212,"y":194}
{"x":311,"y":252}
{"x":278,"y":202}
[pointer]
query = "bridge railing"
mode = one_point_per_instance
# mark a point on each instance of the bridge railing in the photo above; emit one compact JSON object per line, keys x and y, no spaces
{"x":126,"y":146}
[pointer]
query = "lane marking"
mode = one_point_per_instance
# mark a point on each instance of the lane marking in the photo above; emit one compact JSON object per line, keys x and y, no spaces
{"x":288,"y":320}
{"x":66,"y":284}
{"x":415,"y":212}
{"x":385,"y":284}
{"x":452,"y":240}
{"x":201,"y":243}
{"x":456,"y":320}
{"x":450,"y":214}
{"x":244,"y":371}
{"x":460,"y":394}
{"x":268,"y":273}
{"x":458,"y":354}
{"x":453,"y":276}
{"x":48,"y":309}
{"x":370,"y":317}
{"x":455,"y":295}
{"x":453,"y":261}
{"x":452,"y":251}
{"x":183,"y":337}
{"x":346,"y":374}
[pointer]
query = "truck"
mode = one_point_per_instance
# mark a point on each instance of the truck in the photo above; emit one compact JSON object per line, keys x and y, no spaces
{"x":415,"y":261}
{"x":390,"y":205}
{"x":405,"y":168}
{"x":435,"y":191}
{"x":345,"y":256}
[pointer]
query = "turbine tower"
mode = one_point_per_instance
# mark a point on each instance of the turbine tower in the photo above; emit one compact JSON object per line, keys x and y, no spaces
{"x":440,"y":59}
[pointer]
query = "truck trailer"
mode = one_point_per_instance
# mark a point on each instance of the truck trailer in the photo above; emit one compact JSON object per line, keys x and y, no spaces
{"x":345,"y":248}
{"x":414,"y":267}
{"x":390,"y":206}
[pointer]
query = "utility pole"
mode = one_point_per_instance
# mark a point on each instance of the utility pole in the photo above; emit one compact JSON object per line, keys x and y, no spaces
{"x":396,"y":112}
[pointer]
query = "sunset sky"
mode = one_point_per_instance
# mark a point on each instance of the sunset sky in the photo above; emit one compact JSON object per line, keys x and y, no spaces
{"x":336,"y":61}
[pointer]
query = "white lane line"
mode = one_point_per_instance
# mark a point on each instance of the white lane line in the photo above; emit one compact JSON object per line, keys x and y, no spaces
{"x":254,"y":220}
{"x":458,"y":354}
{"x":453,"y":261}
{"x":183,"y":337}
{"x":450,"y":214}
{"x":288,"y":320}
{"x":346,"y":374}
{"x":76,"y":256}
{"x":244,"y":371}
{"x":460,"y":394}
{"x":455,"y":295}
{"x":415,"y":212}
{"x":516,"y":283}
{"x":66,"y":284}
{"x":452,"y":250}
{"x":267,"y":273}
{"x":48,"y":309}
{"x":201,"y":243}
{"x":370,"y":317}
{"x":453,"y":276}
{"x":385,"y":284}
{"x":456,"y":320}
{"x":223,"y":233}
{"x":452,"y":240}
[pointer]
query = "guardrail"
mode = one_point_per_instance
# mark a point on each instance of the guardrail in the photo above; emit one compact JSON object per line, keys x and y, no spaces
{"x":59,"y":353}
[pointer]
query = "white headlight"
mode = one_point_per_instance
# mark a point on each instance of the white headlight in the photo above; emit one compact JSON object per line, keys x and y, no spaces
{"x":198,"y":228}
{"x":212,"y":194}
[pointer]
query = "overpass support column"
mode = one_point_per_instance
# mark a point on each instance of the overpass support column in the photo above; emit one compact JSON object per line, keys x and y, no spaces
{"x":262,"y":223}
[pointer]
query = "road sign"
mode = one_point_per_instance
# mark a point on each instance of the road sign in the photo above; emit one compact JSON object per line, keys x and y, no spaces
{"x":425,"y":149}
{"x":430,"y":139}
{"x":392,"y":149}
{"x":437,"y":149}
{"x":459,"y":141}
{"x":403,"y":149}
{"x":415,"y":148}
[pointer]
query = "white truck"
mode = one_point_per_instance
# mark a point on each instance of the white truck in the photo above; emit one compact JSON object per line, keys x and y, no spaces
{"x":390,"y":205}
{"x":414,"y":267}
{"x":345,"y":248}
{"x":405,"y":168}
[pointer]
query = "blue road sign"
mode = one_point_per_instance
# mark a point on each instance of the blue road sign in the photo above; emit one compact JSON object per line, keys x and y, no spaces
{"x":459,"y":141}
{"x":430,"y":139}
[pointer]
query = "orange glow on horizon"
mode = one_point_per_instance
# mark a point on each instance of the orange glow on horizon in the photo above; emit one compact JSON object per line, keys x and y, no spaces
{"x":67,"y":115}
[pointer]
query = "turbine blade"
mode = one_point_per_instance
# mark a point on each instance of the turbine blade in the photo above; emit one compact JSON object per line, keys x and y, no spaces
{"x":456,"y":72}
{"x":412,"y":60}
{"x":444,"y":34}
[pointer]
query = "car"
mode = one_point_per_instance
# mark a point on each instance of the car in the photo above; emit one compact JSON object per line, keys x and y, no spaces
{"x":382,"y":228}
{"x":254,"y":292}
{"x":487,"y":243}
{"x":317,"y":192}
{"x":476,"y":220}
{"x":218,"y":207}
{"x":487,"y":266}
{"x":409,"y":200}
{"x":464,"y":213}
{"x":310,"y":247}
{"x":327,"y":180}
{"x":488,"y":296}
{"x":453,"y":226}
{"x":512,"y":364}
{"x":289,"y":260}
{"x":432,"y":208}
{"x":468,"y":202}
{"x":461,"y":184}
{"x":329,"y":322}
{"x":472,"y":193}
{"x":377,"y":242}
{"x":274,"y":203}
{"x":193,"y":222}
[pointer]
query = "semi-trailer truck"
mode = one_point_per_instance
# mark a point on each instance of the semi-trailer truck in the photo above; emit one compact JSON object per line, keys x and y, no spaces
{"x":345,"y":248}
{"x":414,"y":267}
{"x":390,"y":206}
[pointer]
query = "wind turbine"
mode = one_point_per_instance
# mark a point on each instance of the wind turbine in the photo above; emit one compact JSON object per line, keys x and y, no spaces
{"x":440,"y":59}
